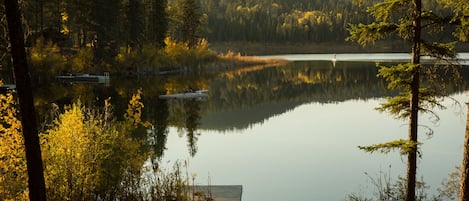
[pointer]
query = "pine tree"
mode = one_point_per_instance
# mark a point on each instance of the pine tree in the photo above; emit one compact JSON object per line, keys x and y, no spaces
{"x":191,"y":22}
{"x":106,"y":18}
{"x":134,"y":25}
{"x":460,"y":10}
{"x":408,"y":21}
{"x":158,"y":22}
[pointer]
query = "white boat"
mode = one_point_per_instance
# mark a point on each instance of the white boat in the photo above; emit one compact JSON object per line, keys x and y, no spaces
{"x":8,"y":87}
{"x":186,"y":95}
{"x":83,"y":77}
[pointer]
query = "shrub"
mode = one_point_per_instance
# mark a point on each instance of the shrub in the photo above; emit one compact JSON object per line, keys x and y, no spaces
{"x":45,"y":58}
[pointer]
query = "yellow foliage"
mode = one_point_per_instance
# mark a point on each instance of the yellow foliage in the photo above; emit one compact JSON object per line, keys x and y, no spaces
{"x":67,"y":154}
{"x":86,"y":153}
{"x":134,"y":110}
{"x":177,"y":52}
{"x":83,"y":60}
{"x":13,"y":177}
{"x":64,"y":19}
{"x":46,"y":58}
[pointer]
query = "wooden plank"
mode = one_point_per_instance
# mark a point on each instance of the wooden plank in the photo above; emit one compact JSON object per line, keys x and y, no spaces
{"x":217,"y":192}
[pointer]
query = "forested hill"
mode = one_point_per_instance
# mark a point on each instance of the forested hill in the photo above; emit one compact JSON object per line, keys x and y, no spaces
{"x":108,"y":26}
{"x":293,"y":21}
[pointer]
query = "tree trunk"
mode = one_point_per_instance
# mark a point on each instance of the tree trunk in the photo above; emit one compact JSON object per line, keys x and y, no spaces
{"x":414,"y":104}
{"x":464,"y":183}
{"x":36,"y":182}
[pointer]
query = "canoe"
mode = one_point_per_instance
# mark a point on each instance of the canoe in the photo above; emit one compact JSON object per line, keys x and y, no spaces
{"x":83,"y":77}
{"x":186,"y":95}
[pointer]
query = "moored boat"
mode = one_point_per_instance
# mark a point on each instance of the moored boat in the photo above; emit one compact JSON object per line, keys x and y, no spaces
{"x":186,"y":95}
{"x":83,"y":77}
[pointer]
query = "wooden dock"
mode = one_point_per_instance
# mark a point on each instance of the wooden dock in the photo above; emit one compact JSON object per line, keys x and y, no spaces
{"x":217,"y":192}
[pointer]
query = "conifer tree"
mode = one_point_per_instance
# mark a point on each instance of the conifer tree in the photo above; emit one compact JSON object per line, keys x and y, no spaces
{"x":158,"y":22}
{"x":407,"y":20}
{"x":191,"y":21}
{"x":134,"y":25}
{"x":460,"y":10}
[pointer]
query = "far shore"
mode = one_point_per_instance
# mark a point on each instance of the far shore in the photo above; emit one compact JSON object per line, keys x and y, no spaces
{"x":255,"y":49}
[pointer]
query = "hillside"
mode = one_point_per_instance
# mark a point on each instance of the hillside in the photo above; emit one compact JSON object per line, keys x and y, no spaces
{"x":300,"y":21}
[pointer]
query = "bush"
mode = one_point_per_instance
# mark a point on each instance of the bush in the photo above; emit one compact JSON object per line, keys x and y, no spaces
{"x":13,"y":175}
{"x":45,"y":58}
{"x":82,"y":61}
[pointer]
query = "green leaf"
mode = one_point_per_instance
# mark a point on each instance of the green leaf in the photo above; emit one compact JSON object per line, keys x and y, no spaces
{"x":369,"y":33}
{"x":404,"y":146}
{"x":388,"y":9}
{"x":398,"y":76}
{"x":442,"y":51}
{"x":398,"y":106}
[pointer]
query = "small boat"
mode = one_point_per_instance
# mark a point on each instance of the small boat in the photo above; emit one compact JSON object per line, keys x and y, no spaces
{"x":83,"y":78}
{"x":186,"y":95}
{"x":8,"y":87}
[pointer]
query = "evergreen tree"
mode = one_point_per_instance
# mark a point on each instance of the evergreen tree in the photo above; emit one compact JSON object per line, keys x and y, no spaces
{"x":134,"y":25}
{"x":460,"y":10}
{"x":106,"y":16}
{"x":407,"y":20}
{"x":157,"y":22}
{"x":191,"y":22}
{"x":80,"y":21}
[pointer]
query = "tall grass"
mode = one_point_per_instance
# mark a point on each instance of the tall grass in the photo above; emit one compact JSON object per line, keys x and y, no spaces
{"x":387,"y":189}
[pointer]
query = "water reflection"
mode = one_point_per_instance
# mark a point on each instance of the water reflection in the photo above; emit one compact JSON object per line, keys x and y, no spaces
{"x":158,"y":133}
{"x":252,"y":98}
{"x":192,"y":108}
{"x":238,"y":99}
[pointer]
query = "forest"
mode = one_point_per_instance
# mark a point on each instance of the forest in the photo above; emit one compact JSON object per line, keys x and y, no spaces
{"x":143,"y":36}
{"x":286,"y":21}
{"x":130,"y":32}
{"x":137,"y":21}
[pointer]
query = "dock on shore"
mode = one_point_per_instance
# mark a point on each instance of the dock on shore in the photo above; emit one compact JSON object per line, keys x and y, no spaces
{"x":218,"y":192}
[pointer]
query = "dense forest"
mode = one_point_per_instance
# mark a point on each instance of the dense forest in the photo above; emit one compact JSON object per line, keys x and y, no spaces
{"x":109,"y":24}
{"x":282,"y":20}
{"x":144,"y":35}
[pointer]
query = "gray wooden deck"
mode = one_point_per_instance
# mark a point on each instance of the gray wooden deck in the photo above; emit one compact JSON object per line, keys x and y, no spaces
{"x":218,"y":192}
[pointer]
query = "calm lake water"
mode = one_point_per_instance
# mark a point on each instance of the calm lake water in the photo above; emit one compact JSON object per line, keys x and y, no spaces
{"x":291,"y":132}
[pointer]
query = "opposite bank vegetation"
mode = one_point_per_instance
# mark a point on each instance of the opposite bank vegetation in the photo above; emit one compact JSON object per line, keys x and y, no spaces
{"x":47,"y":60}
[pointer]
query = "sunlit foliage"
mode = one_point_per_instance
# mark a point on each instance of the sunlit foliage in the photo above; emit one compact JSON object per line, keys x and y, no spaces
{"x":69,"y":155}
{"x":460,"y":9}
{"x":180,"y":54}
{"x":87,"y":153}
{"x":13,"y":175}
{"x":134,"y":109}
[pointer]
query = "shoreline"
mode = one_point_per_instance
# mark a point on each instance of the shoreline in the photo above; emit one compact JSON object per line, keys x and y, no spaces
{"x":258,"y":48}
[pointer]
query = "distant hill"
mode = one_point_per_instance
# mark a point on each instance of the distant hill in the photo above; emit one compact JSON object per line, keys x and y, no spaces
{"x":299,"y":21}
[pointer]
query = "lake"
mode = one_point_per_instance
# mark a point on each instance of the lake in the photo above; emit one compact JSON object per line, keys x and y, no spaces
{"x":287,"y":132}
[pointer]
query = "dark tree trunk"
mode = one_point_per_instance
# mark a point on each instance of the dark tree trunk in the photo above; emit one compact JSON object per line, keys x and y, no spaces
{"x":464,"y":183}
{"x":414,"y":104}
{"x":36,"y":182}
